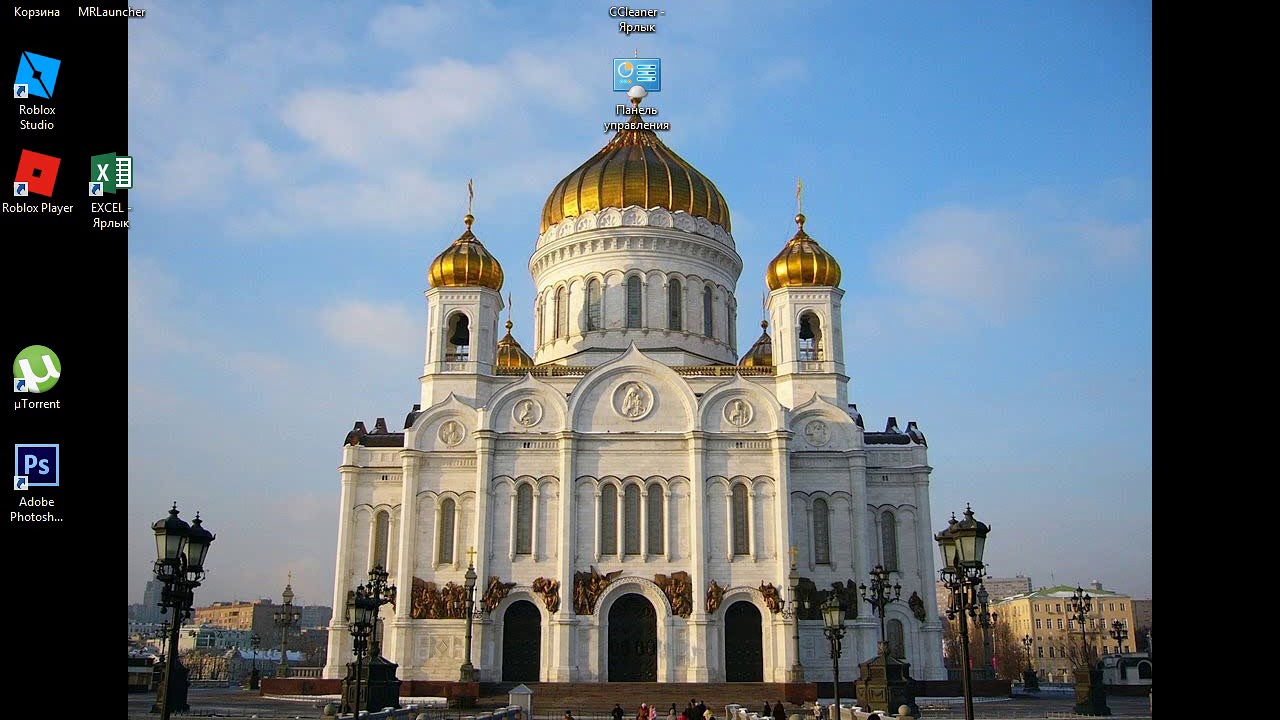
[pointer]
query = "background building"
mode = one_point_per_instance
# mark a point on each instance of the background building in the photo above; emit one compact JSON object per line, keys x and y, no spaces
{"x":1045,"y":615}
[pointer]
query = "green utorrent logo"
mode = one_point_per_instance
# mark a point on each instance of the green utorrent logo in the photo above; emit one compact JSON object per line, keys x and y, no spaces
{"x":36,"y":369}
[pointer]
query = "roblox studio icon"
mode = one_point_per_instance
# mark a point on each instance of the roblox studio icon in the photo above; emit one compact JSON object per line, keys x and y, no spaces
{"x":36,"y":174}
{"x":38,"y":463}
{"x":37,"y":74}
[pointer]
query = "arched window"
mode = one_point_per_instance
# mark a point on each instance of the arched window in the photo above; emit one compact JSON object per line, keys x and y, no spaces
{"x":540,"y":322}
{"x":897,"y":642}
{"x":594,"y":321}
{"x":675,"y":299}
{"x":445,"y":541}
{"x":810,"y":337}
{"x":821,"y":533}
{"x":888,"y":541}
{"x":562,"y":313}
{"x":609,"y":520}
{"x":1144,"y":670}
{"x":655,"y":520}
{"x":381,"y":537}
{"x":633,"y":301}
{"x":524,"y":519}
{"x":459,"y":348}
{"x":733,"y":327}
{"x":631,"y":521}
{"x":708,"y":326}
{"x":741,"y":527}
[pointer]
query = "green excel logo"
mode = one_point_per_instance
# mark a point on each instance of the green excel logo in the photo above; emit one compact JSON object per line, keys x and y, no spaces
{"x":36,"y":369}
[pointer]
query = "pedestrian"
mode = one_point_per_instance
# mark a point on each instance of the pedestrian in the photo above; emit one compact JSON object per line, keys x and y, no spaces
{"x":618,"y":712}
{"x":671,"y":714}
{"x":779,"y":712}
{"x":643,"y":714}
{"x":653,"y":712}
{"x":568,"y":715}
{"x":767,"y":712}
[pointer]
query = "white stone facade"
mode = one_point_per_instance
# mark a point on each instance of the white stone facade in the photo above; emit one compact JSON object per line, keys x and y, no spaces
{"x":644,"y":454}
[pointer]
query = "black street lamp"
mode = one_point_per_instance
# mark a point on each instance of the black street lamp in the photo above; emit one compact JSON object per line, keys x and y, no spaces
{"x":361,"y":610}
{"x":792,"y":612}
{"x":285,"y":618}
{"x":833,"y":628}
{"x":1120,"y":633}
{"x":1029,"y":679}
{"x":1091,"y":694}
{"x":378,"y":675}
{"x":962,"y":545}
{"x":180,"y":553}
{"x":986,"y":620}
{"x":255,"y":642}
{"x":880,"y":598}
{"x":467,"y":673}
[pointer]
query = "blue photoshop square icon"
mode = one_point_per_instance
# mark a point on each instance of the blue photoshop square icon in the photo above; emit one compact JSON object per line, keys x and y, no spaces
{"x":629,"y":72}
{"x":38,"y":462}
{"x":38,"y":73}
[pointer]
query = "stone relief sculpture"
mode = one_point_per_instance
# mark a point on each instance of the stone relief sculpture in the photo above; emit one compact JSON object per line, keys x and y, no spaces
{"x":494,"y":593}
{"x":679,"y":591}
{"x":917,"y":606}
{"x":715,"y":594}
{"x":550,"y":591}
{"x":737,"y":412}
{"x":451,"y":432}
{"x":429,"y":602}
{"x":587,"y":588}
{"x":817,"y":434}
{"x":635,"y":401}
{"x":772,"y":598}
{"x":811,"y":598}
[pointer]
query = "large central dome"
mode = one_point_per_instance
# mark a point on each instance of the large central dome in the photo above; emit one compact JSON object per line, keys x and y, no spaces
{"x":635,"y":168}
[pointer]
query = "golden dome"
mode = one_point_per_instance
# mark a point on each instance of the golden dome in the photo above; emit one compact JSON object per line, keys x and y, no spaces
{"x":465,"y":263}
{"x":761,"y":353}
{"x":510,"y":354}
{"x":802,"y":262}
{"x":635,"y":168}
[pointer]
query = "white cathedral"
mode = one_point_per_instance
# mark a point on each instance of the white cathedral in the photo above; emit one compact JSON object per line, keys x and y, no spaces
{"x":640,"y":501}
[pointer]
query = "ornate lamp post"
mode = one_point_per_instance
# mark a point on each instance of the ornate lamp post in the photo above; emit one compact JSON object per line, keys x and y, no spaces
{"x":962,"y":545}
{"x":1091,"y":694}
{"x":1029,"y":679}
{"x":285,"y":618}
{"x":180,"y":553}
{"x":383,"y":686}
{"x":880,"y":598}
{"x":467,"y":673}
{"x":792,"y":613}
{"x":1119,"y":633}
{"x":361,"y":613}
{"x":255,"y":642}
{"x":885,"y":681}
{"x":986,"y":620}
{"x":833,"y":628}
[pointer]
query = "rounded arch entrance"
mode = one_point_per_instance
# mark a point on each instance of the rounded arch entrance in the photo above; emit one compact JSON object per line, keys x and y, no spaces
{"x":633,"y":640}
{"x":521,"y":642}
{"x":743,"y":643}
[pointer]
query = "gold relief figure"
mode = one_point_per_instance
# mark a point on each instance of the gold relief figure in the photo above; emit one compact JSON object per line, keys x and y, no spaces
{"x":495,"y":592}
{"x":772,"y":599}
{"x":715,"y":594}
{"x":550,"y":591}
{"x":917,"y":606}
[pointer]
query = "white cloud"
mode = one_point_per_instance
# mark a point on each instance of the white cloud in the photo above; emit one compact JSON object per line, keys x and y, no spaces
{"x":1112,"y":243}
{"x":385,"y":328}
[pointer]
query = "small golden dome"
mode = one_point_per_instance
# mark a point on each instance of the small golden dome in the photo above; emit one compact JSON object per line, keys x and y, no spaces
{"x":635,"y":168}
{"x":510,"y":354}
{"x":761,"y":353}
{"x":802,"y":262}
{"x":465,"y":263}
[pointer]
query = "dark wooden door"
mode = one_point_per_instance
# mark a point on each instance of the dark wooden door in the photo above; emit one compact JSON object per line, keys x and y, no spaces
{"x":743,"y":637}
{"x":521,"y":642}
{"x":633,"y":640}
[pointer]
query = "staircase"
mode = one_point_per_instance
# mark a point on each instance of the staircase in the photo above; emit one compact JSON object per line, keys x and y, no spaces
{"x":591,"y":701}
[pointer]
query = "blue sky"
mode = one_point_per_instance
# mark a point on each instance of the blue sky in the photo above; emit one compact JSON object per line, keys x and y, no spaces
{"x":982,"y":171}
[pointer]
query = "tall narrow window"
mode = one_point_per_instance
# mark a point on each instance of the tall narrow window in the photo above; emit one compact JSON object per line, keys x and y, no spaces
{"x":459,"y":348}
{"x":888,"y":541}
{"x":733,"y":327}
{"x":821,"y":533}
{"x":609,"y":520}
{"x":741,"y":528}
{"x":631,"y":520}
{"x":562,"y":313}
{"x":381,"y":538}
{"x":675,"y":299}
{"x":593,"y":305}
{"x":445,"y":542}
{"x":656,"y":523}
{"x":540,"y":324}
{"x":810,"y":337}
{"x":633,"y":301}
{"x":897,"y":640}
{"x":708,"y":327}
{"x":524,"y":519}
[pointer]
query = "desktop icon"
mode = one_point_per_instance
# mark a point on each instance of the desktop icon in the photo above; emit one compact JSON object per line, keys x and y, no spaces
{"x":36,"y":369}
{"x":631,"y":72}
{"x":110,"y":172}
{"x":37,"y":173}
{"x":19,"y":91}
{"x":38,"y":463}
{"x":38,"y":73}
{"x":19,"y":482}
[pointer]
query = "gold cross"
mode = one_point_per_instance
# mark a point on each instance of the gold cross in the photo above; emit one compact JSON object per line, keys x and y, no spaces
{"x":472,"y":553}
{"x":799,"y":201}
{"x":471,"y":195}
{"x":794,"y":552}
{"x":290,"y":577}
